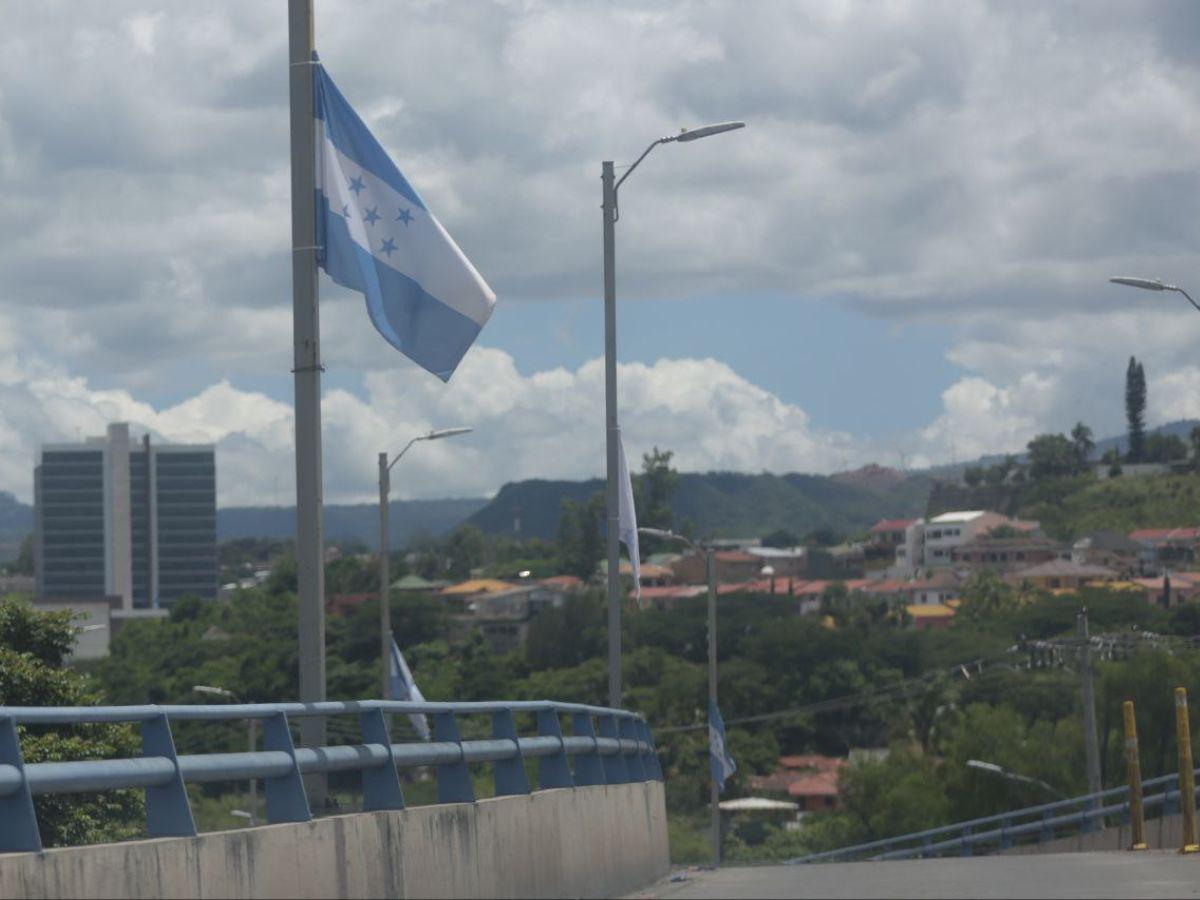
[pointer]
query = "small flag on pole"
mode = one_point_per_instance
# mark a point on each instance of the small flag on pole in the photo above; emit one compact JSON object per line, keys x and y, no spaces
{"x":721,"y":764}
{"x":375,"y":235}
{"x":627,"y":531}
{"x":402,"y":687}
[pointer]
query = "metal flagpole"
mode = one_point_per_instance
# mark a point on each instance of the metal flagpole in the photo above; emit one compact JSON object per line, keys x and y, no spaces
{"x":306,"y":331}
{"x":385,"y":577}
{"x":612,"y":502}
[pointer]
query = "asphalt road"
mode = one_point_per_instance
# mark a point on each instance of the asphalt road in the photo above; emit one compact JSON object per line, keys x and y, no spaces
{"x":1153,"y":874}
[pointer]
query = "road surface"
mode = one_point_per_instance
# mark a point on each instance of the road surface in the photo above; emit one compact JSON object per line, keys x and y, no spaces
{"x":1152,"y":874}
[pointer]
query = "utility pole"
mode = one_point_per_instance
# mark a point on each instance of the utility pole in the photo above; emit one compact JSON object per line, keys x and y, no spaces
{"x":714,"y":791}
{"x":1091,"y":742}
{"x":611,"y":434}
{"x":385,"y":577}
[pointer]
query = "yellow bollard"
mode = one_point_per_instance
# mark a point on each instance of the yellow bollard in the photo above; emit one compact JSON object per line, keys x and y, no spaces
{"x":1187,"y":779}
{"x":1133,"y":768}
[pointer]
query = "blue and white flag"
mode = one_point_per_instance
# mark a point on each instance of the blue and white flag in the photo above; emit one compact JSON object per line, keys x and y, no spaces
{"x":375,"y":235}
{"x":402,"y":687}
{"x":627,"y":518}
{"x":720,"y":763}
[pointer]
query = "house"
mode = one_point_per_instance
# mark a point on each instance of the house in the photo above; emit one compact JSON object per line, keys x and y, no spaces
{"x":942,"y":534}
{"x":1168,"y":590}
{"x":1110,"y":549}
{"x":731,"y":565}
{"x":1061,"y":574}
{"x":810,"y":781}
{"x":924,"y":616}
{"x":786,"y":561}
{"x":413,"y":584}
{"x":888,"y":534}
{"x":938,"y":589}
{"x":668,"y":597}
{"x":1166,"y":547}
{"x":1007,"y":553}
{"x":570,"y":584}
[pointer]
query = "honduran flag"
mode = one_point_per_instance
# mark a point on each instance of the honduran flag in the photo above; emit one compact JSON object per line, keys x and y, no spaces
{"x":375,"y":235}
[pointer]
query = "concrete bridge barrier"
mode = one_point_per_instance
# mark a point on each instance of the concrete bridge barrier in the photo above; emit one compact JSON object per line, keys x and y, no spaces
{"x":596,"y":841}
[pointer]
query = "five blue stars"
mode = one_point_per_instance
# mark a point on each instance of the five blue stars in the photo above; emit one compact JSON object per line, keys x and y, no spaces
{"x":372,"y":215}
{"x":405,"y":217}
{"x":356,"y":185}
{"x":388,"y":247}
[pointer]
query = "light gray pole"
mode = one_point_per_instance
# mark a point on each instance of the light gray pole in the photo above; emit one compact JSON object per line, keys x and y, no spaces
{"x":612,"y":435}
{"x":1091,"y":741}
{"x":714,"y":792}
{"x":252,"y":730}
{"x":385,"y":576}
{"x":310,"y":569}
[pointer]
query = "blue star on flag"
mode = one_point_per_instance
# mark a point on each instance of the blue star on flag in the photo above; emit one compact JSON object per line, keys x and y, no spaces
{"x":356,"y":185}
{"x":388,"y":247}
{"x":405,"y":217}
{"x":372,"y":215}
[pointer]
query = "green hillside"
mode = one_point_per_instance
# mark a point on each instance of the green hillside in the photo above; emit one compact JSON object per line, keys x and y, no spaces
{"x":1072,"y":507}
{"x":725,"y":504}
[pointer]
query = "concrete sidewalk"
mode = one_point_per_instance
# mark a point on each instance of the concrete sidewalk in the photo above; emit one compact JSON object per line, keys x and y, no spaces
{"x":1152,"y":874}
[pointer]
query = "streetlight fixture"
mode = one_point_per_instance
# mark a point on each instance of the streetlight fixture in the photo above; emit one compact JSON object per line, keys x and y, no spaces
{"x":251,"y":735}
{"x":609,"y":187}
{"x":710,"y":571}
{"x":385,"y":577}
{"x":1011,"y":776}
{"x":1152,"y":284}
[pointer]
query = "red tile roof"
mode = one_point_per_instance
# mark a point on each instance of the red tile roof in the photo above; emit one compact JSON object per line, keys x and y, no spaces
{"x":891,"y":525}
{"x":735,"y":556}
{"x":819,"y":784}
{"x":1162,"y":535}
{"x":563,"y":581}
{"x":812,"y":761}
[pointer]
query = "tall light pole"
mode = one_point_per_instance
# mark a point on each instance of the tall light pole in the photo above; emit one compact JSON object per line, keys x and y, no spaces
{"x":609,"y":209}
{"x":385,"y":577}
{"x":710,"y":573}
{"x":251,"y":735}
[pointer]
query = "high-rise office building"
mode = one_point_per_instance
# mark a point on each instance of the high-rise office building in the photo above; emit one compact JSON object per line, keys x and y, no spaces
{"x":134,"y":521}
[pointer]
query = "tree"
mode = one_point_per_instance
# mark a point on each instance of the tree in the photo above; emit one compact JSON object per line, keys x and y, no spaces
{"x":652,"y":496}
{"x":973,"y":476}
{"x":1194,"y":440}
{"x":1113,"y":458}
{"x":1164,"y":448}
{"x":579,"y":543}
{"x":781,"y":537}
{"x":1135,"y":410}
{"x":23,"y":564}
{"x":32,"y":647}
{"x":1081,"y":439}
{"x":1051,"y":456}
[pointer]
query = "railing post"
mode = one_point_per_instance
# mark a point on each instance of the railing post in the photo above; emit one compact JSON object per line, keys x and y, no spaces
{"x":380,"y":784}
{"x":1046,"y":834}
{"x":286,"y":798}
{"x":650,"y":758}
{"x":509,"y":774}
{"x":627,"y":729}
{"x":1133,"y":770}
{"x":167,"y":811}
{"x":453,"y":779}
{"x":964,"y":846}
{"x":18,"y":823}
{"x":589,"y":769}
{"x":1005,"y":837}
{"x":615,"y":770}
{"x":553,"y":770}
{"x":1187,"y":777}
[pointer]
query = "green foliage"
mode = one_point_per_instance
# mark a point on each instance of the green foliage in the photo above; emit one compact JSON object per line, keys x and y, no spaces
{"x":23,"y":564}
{"x":579,"y":538}
{"x":32,"y":646}
{"x":1052,"y":456}
{"x":1068,"y":508}
{"x":465,"y":550}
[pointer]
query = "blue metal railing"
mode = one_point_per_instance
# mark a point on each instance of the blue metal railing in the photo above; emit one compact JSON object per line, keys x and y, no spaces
{"x":999,"y":832}
{"x":607,"y":746}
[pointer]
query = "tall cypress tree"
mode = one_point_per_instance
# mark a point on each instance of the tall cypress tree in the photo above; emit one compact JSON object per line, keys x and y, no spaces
{"x":1135,"y":410}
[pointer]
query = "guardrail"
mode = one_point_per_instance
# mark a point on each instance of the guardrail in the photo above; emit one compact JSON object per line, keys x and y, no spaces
{"x":1002,"y":830}
{"x":608,"y":746}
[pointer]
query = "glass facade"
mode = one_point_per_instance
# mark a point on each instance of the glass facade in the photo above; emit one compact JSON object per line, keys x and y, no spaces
{"x":171,"y":522}
{"x":69,"y":491}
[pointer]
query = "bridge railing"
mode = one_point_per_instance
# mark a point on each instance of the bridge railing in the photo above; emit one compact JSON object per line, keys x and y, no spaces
{"x":1043,"y":823}
{"x":603,"y":746}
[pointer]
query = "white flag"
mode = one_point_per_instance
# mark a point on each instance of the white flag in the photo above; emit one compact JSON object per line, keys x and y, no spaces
{"x":401,"y":686}
{"x":628,"y":532}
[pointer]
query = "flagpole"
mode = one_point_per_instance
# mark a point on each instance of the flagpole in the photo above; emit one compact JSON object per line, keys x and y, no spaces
{"x":306,"y":331}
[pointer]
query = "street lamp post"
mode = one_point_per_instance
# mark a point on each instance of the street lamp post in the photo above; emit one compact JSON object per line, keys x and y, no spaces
{"x":1012,"y":776}
{"x":609,"y":187}
{"x":251,"y":735}
{"x":710,"y":574}
{"x":385,"y":577}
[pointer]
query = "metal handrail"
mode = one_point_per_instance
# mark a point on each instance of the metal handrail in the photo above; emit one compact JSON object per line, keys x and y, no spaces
{"x":967,"y":835}
{"x":608,"y":746}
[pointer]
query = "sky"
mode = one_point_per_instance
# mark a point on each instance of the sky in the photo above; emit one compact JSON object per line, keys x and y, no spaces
{"x":902,"y":259}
